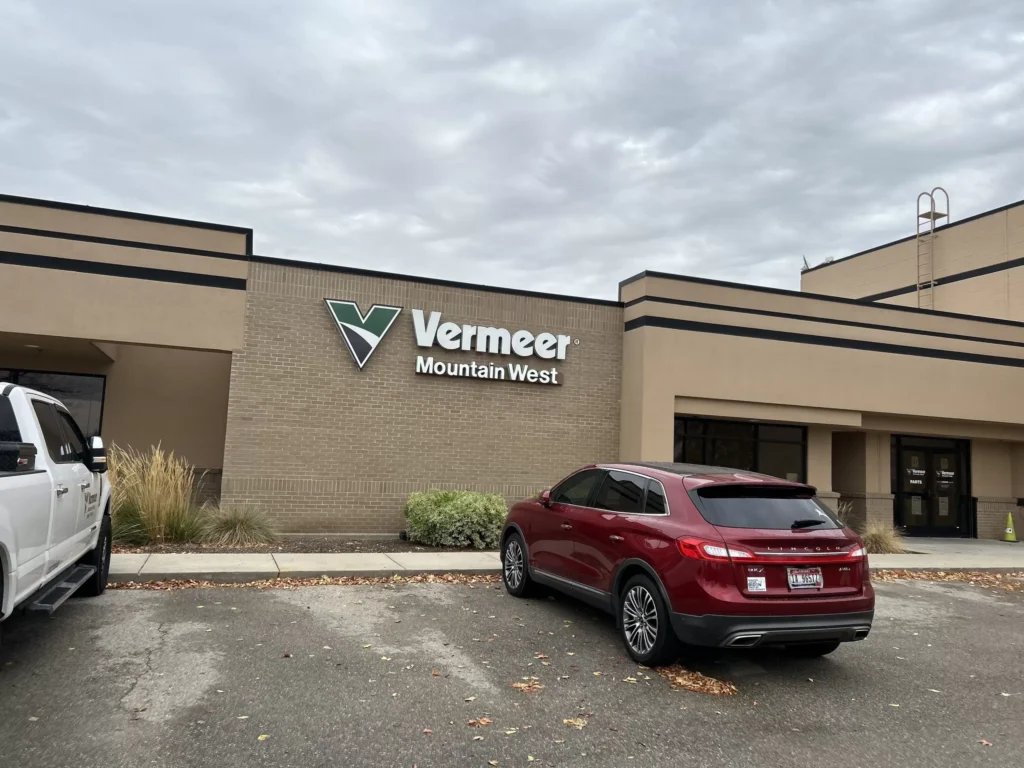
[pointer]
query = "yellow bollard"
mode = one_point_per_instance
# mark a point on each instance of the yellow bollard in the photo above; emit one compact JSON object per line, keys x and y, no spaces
{"x":1010,"y":534}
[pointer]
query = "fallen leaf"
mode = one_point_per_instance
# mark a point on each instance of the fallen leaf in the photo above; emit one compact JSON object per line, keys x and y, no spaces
{"x":435,"y":673}
{"x":327,"y":648}
{"x":894,"y":705}
{"x":575,"y":722}
{"x":479,"y":722}
{"x":33,"y":719}
{"x":243,"y":717}
{"x":427,"y":730}
{"x":985,"y":742}
{"x":934,"y":691}
{"x":367,"y":646}
{"x":559,"y":741}
{"x":262,"y":737}
{"x":470,"y":698}
{"x":680,"y":677}
{"x":540,"y":655}
{"x":286,"y":656}
{"x":570,"y":653}
{"x":629,"y":679}
{"x":478,"y":738}
{"x":530,"y":758}
{"x":385,"y":658}
{"x":598,"y":674}
{"x":492,"y":762}
{"x":510,"y":731}
{"x":529,"y":687}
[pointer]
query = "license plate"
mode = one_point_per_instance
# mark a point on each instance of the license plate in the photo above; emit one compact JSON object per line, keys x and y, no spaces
{"x":805,"y":578}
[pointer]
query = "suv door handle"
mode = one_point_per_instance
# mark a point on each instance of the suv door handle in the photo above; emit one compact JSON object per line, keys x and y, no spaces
{"x":61,"y":490}
{"x":613,"y":537}
{"x":566,"y":526}
{"x":83,"y":486}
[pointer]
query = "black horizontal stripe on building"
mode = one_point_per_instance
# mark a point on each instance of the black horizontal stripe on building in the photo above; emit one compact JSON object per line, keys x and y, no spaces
{"x":118,"y":243}
{"x":649,"y":321}
{"x":948,"y":279}
{"x":814,"y":297}
{"x":121,"y":270}
{"x":815,"y":319}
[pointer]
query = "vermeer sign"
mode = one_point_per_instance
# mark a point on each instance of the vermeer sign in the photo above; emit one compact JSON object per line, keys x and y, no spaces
{"x":363,"y":333}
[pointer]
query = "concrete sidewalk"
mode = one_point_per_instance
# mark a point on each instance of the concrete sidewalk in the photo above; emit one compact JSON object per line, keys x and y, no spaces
{"x":929,"y":555}
{"x":255,"y":567}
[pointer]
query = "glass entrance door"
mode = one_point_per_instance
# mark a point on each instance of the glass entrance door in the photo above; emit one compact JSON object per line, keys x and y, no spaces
{"x":930,"y":483}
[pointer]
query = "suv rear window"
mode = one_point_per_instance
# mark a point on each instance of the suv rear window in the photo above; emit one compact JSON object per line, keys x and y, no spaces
{"x":739,"y":506}
{"x":9,"y":432}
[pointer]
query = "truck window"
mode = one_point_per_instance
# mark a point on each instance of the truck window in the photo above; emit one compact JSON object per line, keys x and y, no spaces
{"x":9,"y":432}
{"x":52,"y":435}
{"x":72,"y":436}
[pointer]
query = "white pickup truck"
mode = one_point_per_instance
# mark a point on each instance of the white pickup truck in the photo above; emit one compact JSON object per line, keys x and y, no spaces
{"x":54,"y":505}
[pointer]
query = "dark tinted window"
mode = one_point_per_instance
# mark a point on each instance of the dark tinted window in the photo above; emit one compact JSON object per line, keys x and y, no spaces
{"x":72,"y":436}
{"x":576,"y":489}
{"x":81,"y":394}
{"x":52,"y":435}
{"x":655,"y":503}
{"x":777,"y":509}
{"x":8,"y":424}
{"x":621,"y":492}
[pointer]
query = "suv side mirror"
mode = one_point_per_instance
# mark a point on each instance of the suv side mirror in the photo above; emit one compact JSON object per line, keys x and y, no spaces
{"x":96,"y":459}
{"x":545,"y":498}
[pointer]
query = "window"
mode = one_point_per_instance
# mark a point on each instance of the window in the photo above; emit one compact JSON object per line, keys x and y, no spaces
{"x":72,"y":436}
{"x":82,"y":394}
{"x":52,"y":435}
{"x":576,"y":489}
{"x":762,"y":507}
{"x":621,"y":492}
{"x":9,"y":432}
{"x":655,"y":502}
{"x":779,"y":450}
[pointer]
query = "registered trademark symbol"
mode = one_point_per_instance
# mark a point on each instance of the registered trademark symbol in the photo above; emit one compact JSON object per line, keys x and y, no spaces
{"x":575,"y":341}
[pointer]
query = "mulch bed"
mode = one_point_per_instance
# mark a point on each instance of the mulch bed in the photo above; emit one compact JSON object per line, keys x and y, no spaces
{"x":1012,"y":582}
{"x":170,"y":585}
{"x":298,"y":544}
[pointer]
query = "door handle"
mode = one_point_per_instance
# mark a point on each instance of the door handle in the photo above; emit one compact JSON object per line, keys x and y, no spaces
{"x":613,"y":537}
{"x":566,"y":526}
{"x":84,"y":486}
{"x":61,"y":490}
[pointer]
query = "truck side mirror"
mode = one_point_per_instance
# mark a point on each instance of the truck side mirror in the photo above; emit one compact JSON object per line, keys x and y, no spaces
{"x":97,"y":458}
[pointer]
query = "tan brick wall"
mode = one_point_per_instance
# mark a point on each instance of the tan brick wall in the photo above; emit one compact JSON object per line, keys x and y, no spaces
{"x":992,"y":514}
{"x":325,"y":447}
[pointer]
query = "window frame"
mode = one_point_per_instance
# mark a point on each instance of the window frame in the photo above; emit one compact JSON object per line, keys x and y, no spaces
{"x":5,"y":403}
{"x":57,"y":458}
{"x":78,"y":434}
{"x":567,"y":478}
{"x":608,"y":472}
{"x":643,"y":500}
{"x":681,"y":435}
{"x":15,"y":378}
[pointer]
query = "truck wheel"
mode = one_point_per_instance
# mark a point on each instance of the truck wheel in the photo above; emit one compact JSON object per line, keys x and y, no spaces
{"x":99,"y":558}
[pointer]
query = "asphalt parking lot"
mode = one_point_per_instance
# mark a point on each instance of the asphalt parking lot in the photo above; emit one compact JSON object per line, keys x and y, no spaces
{"x":391,"y":676}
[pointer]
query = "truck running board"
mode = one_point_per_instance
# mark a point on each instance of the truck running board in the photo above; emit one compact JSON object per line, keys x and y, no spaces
{"x":50,"y":598}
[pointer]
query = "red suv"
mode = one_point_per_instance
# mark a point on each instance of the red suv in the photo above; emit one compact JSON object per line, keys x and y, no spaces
{"x":694,"y":555}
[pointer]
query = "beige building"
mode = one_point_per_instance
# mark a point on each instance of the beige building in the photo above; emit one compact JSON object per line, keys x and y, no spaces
{"x":326,"y":394}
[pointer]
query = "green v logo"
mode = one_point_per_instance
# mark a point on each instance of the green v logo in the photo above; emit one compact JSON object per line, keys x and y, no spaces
{"x":362,"y":333}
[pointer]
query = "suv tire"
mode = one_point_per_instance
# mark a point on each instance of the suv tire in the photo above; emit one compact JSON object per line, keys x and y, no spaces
{"x":645,"y":624}
{"x":515,"y":571}
{"x":99,"y":558}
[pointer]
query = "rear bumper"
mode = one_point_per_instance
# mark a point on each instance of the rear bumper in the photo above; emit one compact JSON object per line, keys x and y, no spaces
{"x":752,"y":631}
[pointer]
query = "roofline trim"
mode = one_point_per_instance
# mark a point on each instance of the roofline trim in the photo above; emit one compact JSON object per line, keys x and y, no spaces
{"x":908,"y":238}
{"x":820,"y":297}
{"x":154,"y":218}
{"x":431,"y":281}
{"x":649,"y":321}
{"x":116,"y":242}
{"x":988,"y":269}
{"x":817,"y":319}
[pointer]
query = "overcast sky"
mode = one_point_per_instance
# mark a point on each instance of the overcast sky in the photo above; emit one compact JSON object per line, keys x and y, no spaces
{"x":557,"y":145}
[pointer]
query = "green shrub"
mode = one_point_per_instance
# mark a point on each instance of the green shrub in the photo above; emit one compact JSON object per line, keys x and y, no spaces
{"x":238,"y":526}
{"x":455,"y":519}
{"x":127,"y":527}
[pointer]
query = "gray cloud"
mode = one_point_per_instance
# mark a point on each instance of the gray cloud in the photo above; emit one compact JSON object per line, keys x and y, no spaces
{"x":556,"y":145}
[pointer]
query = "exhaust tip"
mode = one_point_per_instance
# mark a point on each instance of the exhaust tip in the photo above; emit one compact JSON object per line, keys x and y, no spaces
{"x":744,"y":641}
{"x":860,"y":634}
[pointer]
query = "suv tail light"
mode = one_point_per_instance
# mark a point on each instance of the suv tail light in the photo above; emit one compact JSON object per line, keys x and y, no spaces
{"x":699,"y":549}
